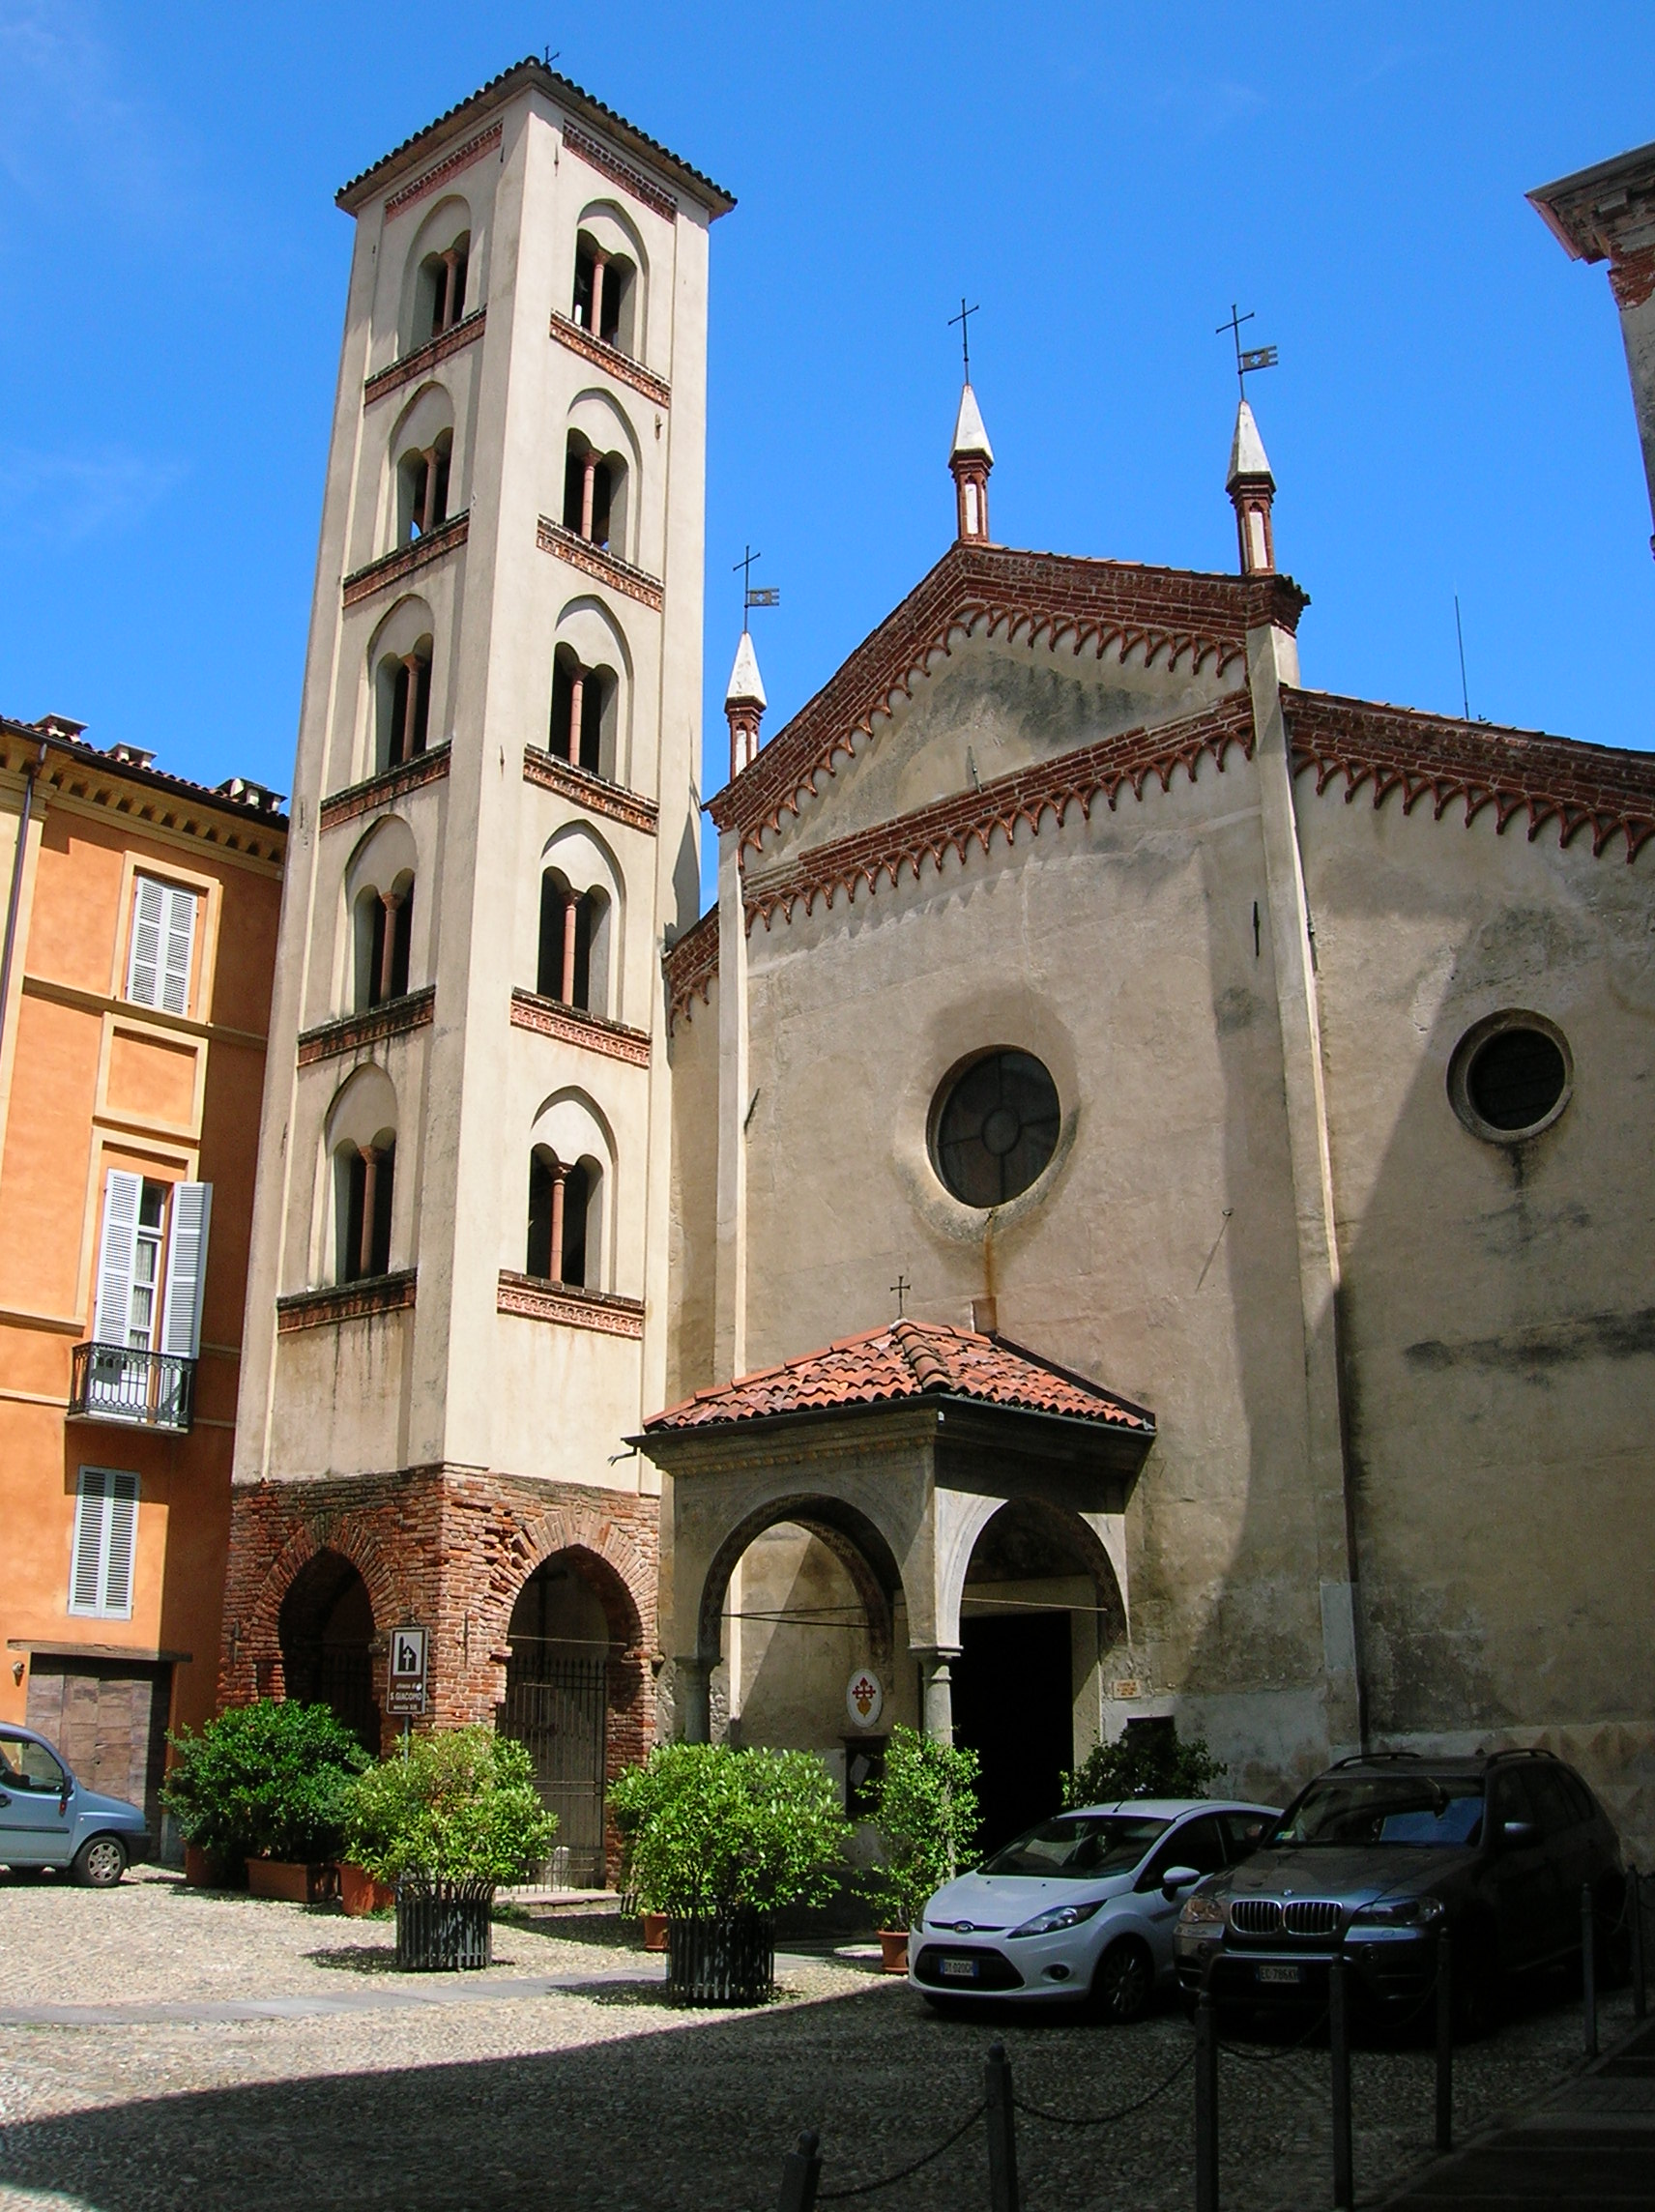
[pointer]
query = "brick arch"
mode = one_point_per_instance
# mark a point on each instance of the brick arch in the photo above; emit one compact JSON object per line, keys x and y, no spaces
{"x":305,"y":1539}
{"x":581,"y":1528}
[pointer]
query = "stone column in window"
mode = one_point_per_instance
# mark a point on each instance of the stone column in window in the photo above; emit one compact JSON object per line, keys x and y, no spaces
{"x":389,"y":901}
{"x":370,"y":1196}
{"x":410,"y":707}
{"x":577,"y":699}
{"x":599,"y":262}
{"x":555,"y":1260}
{"x":587,"y":488}
{"x":446,"y":313}
{"x":571,"y":918}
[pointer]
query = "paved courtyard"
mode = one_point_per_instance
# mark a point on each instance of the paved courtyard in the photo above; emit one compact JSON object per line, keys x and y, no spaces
{"x":164,"y":2048}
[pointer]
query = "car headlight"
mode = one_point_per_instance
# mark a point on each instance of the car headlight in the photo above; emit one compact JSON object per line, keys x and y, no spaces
{"x":1202,"y":1911}
{"x":1398,"y":1912}
{"x":1061,"y":1916}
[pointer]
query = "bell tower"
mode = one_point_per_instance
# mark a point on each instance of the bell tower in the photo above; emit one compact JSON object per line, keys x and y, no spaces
{"x":458,"y":1265}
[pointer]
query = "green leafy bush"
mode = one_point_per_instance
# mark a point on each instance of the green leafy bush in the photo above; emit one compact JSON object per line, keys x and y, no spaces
{"x":711,"y":1831}
{"x":264,"y":1781}
{"x":928,"y":1818}
{"x":457,"y":1805}
{"x":1142,"y":1763}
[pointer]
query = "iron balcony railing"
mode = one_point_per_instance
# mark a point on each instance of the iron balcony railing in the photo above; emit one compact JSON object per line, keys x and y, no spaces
{"x":147,"y":1389}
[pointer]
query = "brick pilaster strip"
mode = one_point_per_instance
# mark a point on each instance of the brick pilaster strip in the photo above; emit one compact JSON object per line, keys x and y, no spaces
{"x":534,"y":1300}
{"x":353,"y":1032}
{"x":392,"y":567}
{"x":592,"y":792}
{"x":571,"y":1025}
{"x":460,"y":158}
{"x":389,"y":784}
{"x":570,"y":546}
{"x":427,"y":356}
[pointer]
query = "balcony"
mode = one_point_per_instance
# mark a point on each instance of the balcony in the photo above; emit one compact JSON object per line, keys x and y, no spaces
{"x":140,"y":1389}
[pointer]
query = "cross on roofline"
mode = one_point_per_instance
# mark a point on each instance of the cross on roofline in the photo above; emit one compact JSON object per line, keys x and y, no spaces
{"x":766,"y":595}
{"x":964,"y":319}
{"x":1260,"y":357}
{"x":901,"y":1287}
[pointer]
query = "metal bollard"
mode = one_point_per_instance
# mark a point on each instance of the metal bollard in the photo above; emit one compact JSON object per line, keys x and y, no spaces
{"x":1002,"y":2131}
{"x":1588,"y":1974}
{"x":1339,"y":2042}
{"x":1640,"y":1995}
{"x":800,"y":2171}
{"x":1206,"y":2103}
{"x":1444,"y":2042}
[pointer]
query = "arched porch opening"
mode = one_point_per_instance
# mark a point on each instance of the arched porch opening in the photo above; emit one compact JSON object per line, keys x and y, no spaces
{"x":1039,"y":1610}
{"x":573,"y":1679}
{"x":325,"y":1628}
{"x":803,"y":1596}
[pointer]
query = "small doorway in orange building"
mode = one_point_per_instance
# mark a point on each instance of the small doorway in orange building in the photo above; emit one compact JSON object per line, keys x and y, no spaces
{"x":109,"y":1718}
{"x":326,"y":1627}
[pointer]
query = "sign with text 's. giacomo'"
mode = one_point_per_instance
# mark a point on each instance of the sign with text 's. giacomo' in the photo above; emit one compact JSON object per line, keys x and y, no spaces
{"x":865,"y":1698}
{"x":407,"y":1671}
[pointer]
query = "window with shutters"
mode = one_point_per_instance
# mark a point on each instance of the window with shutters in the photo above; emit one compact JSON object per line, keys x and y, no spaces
{"x":105,"y":1543}
{"x":162,"y":944}
{"x":146,"y":1325}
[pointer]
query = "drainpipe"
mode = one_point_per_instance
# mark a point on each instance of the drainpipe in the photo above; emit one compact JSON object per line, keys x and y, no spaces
{"x":15,"y":897}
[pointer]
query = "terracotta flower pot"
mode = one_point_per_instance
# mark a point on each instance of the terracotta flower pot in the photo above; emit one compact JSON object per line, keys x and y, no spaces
{"x":359,"y":1894}
{"x":202,"y":1870}
{"x":894,"y":1950}
{"x":655,"y":1930}
{"x":292,"y":1882}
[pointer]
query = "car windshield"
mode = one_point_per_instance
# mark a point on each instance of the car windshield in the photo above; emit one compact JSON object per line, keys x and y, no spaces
{"x":1085,"y":1845}
{"x":1385,"y":1809}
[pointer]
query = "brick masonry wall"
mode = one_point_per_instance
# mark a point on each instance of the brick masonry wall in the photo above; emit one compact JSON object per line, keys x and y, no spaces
{"x":449,"y":1551}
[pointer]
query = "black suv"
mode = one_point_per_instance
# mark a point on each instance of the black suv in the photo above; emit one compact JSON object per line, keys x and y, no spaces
{"x":1374,"y":1856}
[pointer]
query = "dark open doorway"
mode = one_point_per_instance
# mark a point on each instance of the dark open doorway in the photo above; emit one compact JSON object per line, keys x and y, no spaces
{"x":1013,"y":1707}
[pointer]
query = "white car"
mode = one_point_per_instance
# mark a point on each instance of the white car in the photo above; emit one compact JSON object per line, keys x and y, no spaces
{"x":1082,"y":1909}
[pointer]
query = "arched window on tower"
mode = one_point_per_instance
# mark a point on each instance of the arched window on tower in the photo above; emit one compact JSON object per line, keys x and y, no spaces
{"x":574,"y":943}
{"x":365,"y":1179}
{"x":605,"y":294}
{"x":384,"y":934}
{"x":423,"y":489}
{"x":593,"y":486}
{"x":563,"y":1198}
{"x":583,"y":702}
{"x":439,"y":294}
{"x":402,"y":705}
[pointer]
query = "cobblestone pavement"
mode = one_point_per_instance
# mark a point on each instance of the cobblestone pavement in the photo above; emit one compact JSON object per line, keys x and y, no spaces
{"x":594,"y":2093}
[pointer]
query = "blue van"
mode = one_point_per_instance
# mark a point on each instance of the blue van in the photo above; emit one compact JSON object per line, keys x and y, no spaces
{"x":49,"y":1819}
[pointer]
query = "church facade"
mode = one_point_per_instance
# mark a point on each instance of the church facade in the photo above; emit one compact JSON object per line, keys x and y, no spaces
{"x":1132,"y":1207}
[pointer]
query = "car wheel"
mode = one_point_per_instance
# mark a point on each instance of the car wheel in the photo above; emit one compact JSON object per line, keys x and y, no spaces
{"x":101,"y":1863}
{"x":1123,"y":1981}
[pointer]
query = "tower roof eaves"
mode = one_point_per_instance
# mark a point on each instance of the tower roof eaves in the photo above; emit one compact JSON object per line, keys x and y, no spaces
{"x":533,"y":71}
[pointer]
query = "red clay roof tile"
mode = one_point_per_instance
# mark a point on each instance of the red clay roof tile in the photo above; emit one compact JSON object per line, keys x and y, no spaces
{"x":907,"y":1360}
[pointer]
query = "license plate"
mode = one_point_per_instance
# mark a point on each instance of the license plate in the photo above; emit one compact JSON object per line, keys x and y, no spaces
{"x":961,"y":1969}
{"x":1289,"y":1974}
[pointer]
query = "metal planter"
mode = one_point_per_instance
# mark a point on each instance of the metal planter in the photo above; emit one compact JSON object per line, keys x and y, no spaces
{"x":443,"y":1926}
{"x":727,"y":1961}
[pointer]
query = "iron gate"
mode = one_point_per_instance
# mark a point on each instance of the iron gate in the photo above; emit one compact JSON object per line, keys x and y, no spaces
{"x":559,"y":1718}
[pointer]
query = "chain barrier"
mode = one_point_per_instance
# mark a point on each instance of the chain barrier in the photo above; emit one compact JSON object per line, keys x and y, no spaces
{"x":1275,"y":2057}
{"x":1106,"y":2119}
{"x":889,"y":2180}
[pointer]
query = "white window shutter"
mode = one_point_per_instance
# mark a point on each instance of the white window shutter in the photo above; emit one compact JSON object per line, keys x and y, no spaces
{"x":91,"y":1513}
{"x":144,"y":957}
{"x":177,"y":942}
{"x":185,"y":1269}
{"x":121,"y":1194}
{"x":121,"y":1547}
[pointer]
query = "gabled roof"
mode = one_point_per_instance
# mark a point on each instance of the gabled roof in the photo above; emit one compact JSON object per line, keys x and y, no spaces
{"x":908,"y":1361}
{"x":1075,"y":604}
{"x":531,"y":72}
{"x":1516,"y":771}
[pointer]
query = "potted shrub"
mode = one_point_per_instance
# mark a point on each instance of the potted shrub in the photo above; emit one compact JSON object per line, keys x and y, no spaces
{"x":636,"y":1796}
{"x":262,"y":1786}
{"x":925,"y":1815}
{"x":1144,"y":1760}
{"x":446,"y":1819}
{"x":720,"y":1840}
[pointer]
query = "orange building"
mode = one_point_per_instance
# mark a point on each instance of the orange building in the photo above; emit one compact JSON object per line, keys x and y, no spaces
{"x":139,"y":916}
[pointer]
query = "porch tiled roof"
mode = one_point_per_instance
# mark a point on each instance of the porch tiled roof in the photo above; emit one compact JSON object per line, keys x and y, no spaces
{"x":909,"y":1359}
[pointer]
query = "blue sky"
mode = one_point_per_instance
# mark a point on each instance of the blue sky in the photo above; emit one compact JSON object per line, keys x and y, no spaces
{"x":1451,"y":410}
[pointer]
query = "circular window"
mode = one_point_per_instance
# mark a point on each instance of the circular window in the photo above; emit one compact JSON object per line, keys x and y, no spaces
{"x":996,"y":1128}
{"x":1510,"y":1076}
